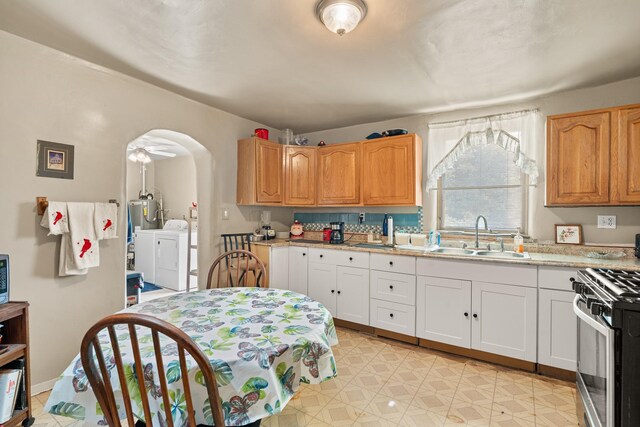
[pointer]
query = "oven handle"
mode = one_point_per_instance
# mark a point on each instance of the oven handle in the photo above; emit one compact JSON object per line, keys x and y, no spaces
{"x":604,"y":330}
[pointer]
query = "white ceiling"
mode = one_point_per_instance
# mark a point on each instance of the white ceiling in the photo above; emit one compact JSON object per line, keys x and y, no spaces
{"x":272,"y":61}
{"x":163,"y":140}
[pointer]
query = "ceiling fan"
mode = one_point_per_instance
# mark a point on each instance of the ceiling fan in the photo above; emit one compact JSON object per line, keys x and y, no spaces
{"x":142,"y":153}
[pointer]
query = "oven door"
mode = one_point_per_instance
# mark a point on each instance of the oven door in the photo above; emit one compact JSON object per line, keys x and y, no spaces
{"x":596,"y":374}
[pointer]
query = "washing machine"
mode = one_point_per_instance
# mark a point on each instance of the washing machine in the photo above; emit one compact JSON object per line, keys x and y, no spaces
{"x":164,"y":253}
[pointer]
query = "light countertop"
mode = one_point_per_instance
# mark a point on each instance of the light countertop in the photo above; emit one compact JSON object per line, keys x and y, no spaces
{"x":537,"y":258}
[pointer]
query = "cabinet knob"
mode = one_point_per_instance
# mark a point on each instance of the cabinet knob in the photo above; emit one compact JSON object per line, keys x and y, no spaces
{"x":304,"y":254}
{"x":475,"y":315}
{"x":391,"y":263}
{"x":391,"y":287}
{"x":339,"y":292}
{"x":321,"y":255}
{"x":466,"y":314}
{"x":333,"y":291}
{"x":350,"y":258}
{"x":391,"y":315}
{"x":158,"y":241}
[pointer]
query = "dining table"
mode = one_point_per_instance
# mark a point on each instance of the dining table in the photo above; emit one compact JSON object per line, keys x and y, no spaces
{"x":262,"y":344}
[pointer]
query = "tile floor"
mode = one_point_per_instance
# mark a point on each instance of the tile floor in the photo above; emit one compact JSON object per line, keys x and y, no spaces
{"x":385,"y":383}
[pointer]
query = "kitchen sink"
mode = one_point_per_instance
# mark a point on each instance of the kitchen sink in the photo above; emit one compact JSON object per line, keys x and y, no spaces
{"x":506,"y":254}
{"x":452,"y":251}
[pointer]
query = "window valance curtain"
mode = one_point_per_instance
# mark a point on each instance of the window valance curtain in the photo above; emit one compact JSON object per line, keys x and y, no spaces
{"x":514,"y":132}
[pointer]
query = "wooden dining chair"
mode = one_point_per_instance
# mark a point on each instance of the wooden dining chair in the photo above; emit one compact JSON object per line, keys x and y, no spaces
{"x":236,"y":268}
{"x":236,"y":241}
{"x":95,"y":367}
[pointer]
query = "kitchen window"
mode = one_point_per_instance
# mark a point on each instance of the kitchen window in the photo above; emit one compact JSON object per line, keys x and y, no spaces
{"x":485,"y":181}
{"x":483,"y":166}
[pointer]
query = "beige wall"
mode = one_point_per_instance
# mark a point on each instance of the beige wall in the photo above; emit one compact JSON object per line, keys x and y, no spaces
{"x":175,"y":181}
{"x":540,"y":219}
{"x":49,"y":95}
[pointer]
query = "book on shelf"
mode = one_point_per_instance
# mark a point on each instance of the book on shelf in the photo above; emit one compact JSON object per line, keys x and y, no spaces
{"x":21,"y":400}
{"x":9,"y":380}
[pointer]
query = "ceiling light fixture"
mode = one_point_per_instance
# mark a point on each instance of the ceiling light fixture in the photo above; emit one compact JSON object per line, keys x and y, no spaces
{"x":341,"y":16}
{"x":140,"y":155}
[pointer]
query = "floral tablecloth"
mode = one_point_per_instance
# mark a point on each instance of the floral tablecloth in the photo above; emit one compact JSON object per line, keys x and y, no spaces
{"x":261,"y":342}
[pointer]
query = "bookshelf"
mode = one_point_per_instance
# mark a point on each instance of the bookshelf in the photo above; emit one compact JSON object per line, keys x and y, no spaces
{"x":15,"y":318}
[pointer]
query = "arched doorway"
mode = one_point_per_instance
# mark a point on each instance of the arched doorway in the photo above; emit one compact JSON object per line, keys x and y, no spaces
{"x":162,"y":206}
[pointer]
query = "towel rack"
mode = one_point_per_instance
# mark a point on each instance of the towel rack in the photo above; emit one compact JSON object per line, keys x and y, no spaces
{"x":42,"y":203}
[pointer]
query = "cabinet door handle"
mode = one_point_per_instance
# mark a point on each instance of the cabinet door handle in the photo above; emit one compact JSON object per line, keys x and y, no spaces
{"x":391,"y":315}
{"x":391,"y":287}
{"x":304,"y":254}
{"x":333,"y":291}
{"x":391,"y":263}
{"x":339,"y":292}
{"x":321,"y":255}
{"x":475,"y":315}
{"x":466,"y":314}
{"x":350,"y":258}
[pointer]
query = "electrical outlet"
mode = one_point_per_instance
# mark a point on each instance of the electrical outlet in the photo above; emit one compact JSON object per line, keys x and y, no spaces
{"x":606,"y":221}
{"x":361,"y":217}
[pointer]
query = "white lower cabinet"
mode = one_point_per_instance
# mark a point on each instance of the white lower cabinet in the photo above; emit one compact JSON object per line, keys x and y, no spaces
{"x":344,"y":291}
{"x":279,"y":267}
{"x":444,"y":310}
{"x":352,"y":302}
{"x":504,"y":320}
{"x":323,"y":285}
{"x":557,"y":333}
{"x":298,"y":269}
{"x":391,"y":316}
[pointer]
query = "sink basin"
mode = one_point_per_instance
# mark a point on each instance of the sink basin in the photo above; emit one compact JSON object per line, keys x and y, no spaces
{"x":452,"y":251}
{"x":372,"y":246}
{"x":496,"y":254}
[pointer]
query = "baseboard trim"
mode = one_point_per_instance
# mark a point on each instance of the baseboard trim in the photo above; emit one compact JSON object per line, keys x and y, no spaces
{"x":558,"y":373}
{"x":480,"y":355}
{"x":45,"y":386}
{"x":396,"y":336}
{"x":354,"y":326}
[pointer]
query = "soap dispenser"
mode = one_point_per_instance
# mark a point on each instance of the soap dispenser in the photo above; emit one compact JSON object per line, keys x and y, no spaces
{"x":518,"y":243}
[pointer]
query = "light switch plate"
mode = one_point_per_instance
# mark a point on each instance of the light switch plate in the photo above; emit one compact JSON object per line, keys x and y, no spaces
{"x":225,"y":214}
{"x":606,"y":221}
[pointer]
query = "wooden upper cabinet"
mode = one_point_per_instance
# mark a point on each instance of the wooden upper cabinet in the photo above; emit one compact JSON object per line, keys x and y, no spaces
{"x":392,"y":171}
{"x":259,"y":179}
{"x":339,"y":173}
{"x":578,"y":151}
{"x":299,"y":176}
{"x":626,"y":157}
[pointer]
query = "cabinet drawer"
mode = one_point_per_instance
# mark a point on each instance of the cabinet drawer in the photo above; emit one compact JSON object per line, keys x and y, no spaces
{"x":324,"y":256}
{"x":556,"y":278}
{"x":508,"y":274}
{"x":393,"y":287}
{"x":352,"y":259}
{"x":395,"y":263}
{"x":393,"y":317}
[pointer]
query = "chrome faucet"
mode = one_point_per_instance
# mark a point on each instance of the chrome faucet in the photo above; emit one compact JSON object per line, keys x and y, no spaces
{"x":477,"y":225}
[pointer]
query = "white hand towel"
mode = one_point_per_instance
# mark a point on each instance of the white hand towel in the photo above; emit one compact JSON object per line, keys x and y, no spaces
{"x":66,"y":264}
{"x":82,"y":234}
{"x":106,"y":218}
{"x":55,"y":218}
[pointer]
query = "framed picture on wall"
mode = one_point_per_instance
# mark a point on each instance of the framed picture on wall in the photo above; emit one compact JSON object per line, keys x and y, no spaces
{"x":569,"y":234}
{"x":54,"y":160}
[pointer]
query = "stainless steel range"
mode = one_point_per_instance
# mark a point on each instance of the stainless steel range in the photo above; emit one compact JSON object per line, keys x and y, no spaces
{"x":608,"y":379}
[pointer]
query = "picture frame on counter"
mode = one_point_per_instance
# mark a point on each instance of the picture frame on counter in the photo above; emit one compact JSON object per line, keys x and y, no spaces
{"x":569,"y":234}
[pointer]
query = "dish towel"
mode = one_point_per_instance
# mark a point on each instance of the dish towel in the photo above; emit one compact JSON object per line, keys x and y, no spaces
{"x":106,"y":218}
{"x":79,"y":248}
{"x":55,"y":218}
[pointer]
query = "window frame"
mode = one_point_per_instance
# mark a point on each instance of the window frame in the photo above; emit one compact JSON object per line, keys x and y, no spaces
{"x":524,"y":184}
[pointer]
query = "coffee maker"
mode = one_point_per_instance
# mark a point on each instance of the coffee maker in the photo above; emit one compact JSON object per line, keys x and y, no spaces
{"x":337,"y":232}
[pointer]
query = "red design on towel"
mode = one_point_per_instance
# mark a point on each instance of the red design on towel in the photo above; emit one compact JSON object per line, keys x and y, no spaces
{"x":107,"y":224}
{"x":57,"y":218}
{"x":85,"y":247}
